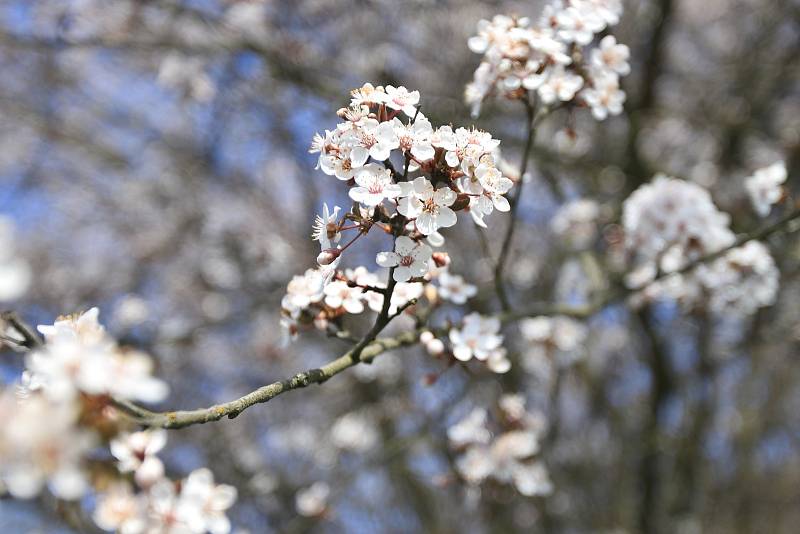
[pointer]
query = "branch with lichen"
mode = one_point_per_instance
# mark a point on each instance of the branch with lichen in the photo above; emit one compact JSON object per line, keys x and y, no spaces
{"x":371,"y":346}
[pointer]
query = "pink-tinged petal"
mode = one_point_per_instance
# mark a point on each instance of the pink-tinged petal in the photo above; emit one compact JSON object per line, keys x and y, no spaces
{"x":358,"y":193}
{"x":410,"y":207}
{"x":423,"y":151}
{"x":404,"y":245}
{"x":353,"y":306}
{"x":455,"y":336}
{"x":444,"y":196}
{"x":379,"y":152}
{"x":392,"y":191}
{"x":426,"y":224}
{"x":401,"y":274}
{"x":418,"y":268}
{"x":406,"y":188}
{"x":451,"y":158}
{"x":387,"y":259}
{"x":422,"y":253}
{"x":501,"y":203}
{"x":422,"y":185}
{"x":358,"y":156}
{"x":447,"y":217}
{"x":462,"y":352}
{"x":477,"y":217}
{"x":373,"y":199}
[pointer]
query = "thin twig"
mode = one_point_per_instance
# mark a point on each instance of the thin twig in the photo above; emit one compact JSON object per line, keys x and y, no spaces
{"x":514,"y":202}
{"x":31,"y":338}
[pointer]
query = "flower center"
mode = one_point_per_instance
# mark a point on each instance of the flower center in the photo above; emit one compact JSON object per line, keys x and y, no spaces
{"x":406,"y":261}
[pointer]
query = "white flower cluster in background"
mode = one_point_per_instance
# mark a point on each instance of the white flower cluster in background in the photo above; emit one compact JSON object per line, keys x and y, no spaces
{"x":42,"y":444}
{"x":15,"y":274}
{"x":313,"y":500}
{"x":576,"y":223}
{"x":670,"y":223}
{"x":551,"y":342}
{"x":742,"y":280}
{"x":194,"y":505}
{"x":79,"y":357}
{"x":765,"y":187}
{"x":407,"y":179}
{"x":479,"y":338}
{"x":507,"y":456}
{"x":553,"y":57}
{"x":54,"y":420}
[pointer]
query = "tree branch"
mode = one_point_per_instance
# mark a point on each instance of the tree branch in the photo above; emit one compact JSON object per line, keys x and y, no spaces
{"x":370,"y":346}
{"x":180,"y":419}
{"x":514,"y":201}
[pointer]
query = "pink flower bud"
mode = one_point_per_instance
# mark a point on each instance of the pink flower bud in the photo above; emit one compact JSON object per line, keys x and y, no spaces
{"x":328,"y":256}
{"x":441,"y":259}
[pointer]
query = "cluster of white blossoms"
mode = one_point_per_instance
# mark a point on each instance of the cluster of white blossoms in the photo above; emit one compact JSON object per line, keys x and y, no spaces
{"x":671,"y":223}
{"x":576,"y":223}
{"x":42,"y":444}
{"x":313,"y":500}
{"x":407,"y":179}
{"x":14,"y":273}
{"x":79,"y":357}
{"x":196,"y":504}
{"x":765,"y":187}
{"x":551,"y":341}
{"x":508,"y":456}
{"x":454,"y":169}
{"x":311,"y":299}
{"x":478,"y":338}
{"x":553,"y":57}
{"x":54,"y":420}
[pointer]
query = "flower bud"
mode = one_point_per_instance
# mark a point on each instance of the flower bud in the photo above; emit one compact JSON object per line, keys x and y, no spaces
{"x":441,"y":259}
{"x":328,"y":256}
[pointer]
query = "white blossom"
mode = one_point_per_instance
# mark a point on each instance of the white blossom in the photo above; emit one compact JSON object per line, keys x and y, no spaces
{"x":136,"y":452}
{"x":604,"y":96}
{"x":416,"y":138}
{"x":313,"y":500}
{"x":477,"y":338}
{"x":765,"y":187}
{"x":40,"y":445}
{"x":430,"y":208}
{"x":374,"y":185}
{"x":612,"y":56}
{"x":508,"y":458}
{"x":402,"y":99}
{"x":325,"y":226}
{"x":452,"y":287}
{"x":120,"y":510}
{"x":79,"y":356}
{"x":355,"y":431}
{"x":410,"y":259}
{"x":576,"y":222}
{"x":339,"y":294}
{"x":202,"y":504}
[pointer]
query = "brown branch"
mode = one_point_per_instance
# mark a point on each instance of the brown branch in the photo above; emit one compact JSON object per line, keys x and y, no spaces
{"x":370,"y":346}
{"x":180,"y":419}
{"x":514,"y":201}
{"x":30,"y":338}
